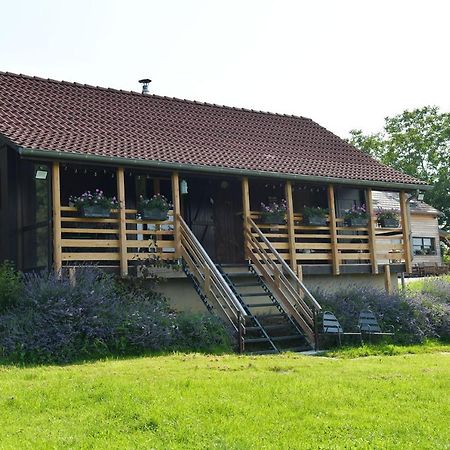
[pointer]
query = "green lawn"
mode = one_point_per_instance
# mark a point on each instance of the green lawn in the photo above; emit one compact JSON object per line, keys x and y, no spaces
{"x":230,"y":402}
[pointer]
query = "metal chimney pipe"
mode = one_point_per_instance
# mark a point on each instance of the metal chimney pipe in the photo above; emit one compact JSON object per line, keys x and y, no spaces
{"x":145,"y":82}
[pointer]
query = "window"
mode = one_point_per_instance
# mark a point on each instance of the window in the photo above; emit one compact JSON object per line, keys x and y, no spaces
{"x":424,"y":246}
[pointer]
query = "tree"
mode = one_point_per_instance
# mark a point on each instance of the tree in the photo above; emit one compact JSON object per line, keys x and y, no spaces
{"x":415,"y":142}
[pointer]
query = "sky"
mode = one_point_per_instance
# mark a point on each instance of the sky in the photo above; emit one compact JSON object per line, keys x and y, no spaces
{"x":346,"y":64}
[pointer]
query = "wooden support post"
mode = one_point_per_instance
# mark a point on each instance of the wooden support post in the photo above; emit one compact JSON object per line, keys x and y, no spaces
{"x":290,"y":226}
{"x":245,"y":212}
{"x":156,"y":186}
{"x":371,"y":231}
{"x":333,"y":231}
{"x":176,"y":212}
{"x":405,"y":229}
{"x":207,"y":283}
{"x":122,"y":222}
{"x":72,"y":276}
{"x":387,"y":278}
{"x":56,"y":206}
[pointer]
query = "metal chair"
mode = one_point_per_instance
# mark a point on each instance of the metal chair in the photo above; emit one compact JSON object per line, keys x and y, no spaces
{"x":369,"y":325}
{"x":331,"y":325}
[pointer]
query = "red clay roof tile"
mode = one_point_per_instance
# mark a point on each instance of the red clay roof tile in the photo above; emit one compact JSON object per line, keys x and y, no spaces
{"x":70,"y":117}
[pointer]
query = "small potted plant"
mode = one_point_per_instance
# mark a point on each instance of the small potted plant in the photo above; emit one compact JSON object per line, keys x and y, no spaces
{"x":315,"y":215}
{"x":274,"y":213}
{"x":94,"y":204}
{"x":154,"y":208}
{"x":356,"y":216}
{"x":387,"y":218}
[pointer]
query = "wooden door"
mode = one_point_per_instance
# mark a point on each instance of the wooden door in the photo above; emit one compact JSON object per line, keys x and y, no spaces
{"x":229,"y":239}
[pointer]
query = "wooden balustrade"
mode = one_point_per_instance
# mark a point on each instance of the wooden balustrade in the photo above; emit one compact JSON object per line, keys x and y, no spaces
{"x":292,"y":294}
{"x":319,"y":245}
{"x":210,"y":281}
{"x":98,"y":240}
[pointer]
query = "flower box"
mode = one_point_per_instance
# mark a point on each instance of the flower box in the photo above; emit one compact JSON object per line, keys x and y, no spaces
{"x":273,"y":219}
{"x":389,"y":223}
{"x":95,"y":211}
{"x":153,"y":214}
{"x":357,"y":221}
{"x":315,"y":221}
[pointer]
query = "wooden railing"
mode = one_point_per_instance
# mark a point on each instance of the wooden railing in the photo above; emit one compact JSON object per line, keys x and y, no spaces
{"x":211,"y":281}
{"x":294,"y":297}
{"x":99,"y":240}
{"x":315,"y":244}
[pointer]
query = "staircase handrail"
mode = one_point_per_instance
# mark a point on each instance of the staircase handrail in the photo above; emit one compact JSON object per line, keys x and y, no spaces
{"x":285,"y":266}
{"x":231,"y":298}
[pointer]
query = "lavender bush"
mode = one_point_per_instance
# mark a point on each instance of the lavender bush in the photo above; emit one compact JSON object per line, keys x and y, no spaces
{"x":55,"y":322}
{"x":414,"y":317}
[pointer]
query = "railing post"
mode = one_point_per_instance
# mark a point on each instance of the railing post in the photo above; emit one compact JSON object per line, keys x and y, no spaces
{"x":122,"y":222}
{"x":290,"y":226}
{"x":372,"y":237}
{"x":316,"y":330}
{"x":387,"y":278}
{"x":241,"y":333}
{"x":56,"y":210}
{"x":207,"y":282}
{"x":245,"y":212}
{"x":176,"y":212}
{"x":405,"y":230}
{"x":333,"y":231}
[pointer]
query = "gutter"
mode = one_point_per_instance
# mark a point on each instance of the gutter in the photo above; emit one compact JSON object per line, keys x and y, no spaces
{"x":119,"y":161}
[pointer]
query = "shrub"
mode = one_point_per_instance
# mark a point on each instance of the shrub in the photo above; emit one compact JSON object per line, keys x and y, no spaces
{"x":55,"y":322}
{"x":411,"y":325}
{"x":10,"y":286}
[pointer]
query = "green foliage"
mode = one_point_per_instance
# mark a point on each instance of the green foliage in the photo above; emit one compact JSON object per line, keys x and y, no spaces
{"x":192,"y":401}
{"x":314,"y":211}
{"x":54,"y":322}
{"x":10,"y":286}
{"x":416,"y":142}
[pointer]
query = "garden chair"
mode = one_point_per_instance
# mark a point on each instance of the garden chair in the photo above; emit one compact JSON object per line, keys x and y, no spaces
{"x":369,"y":325}
{"x":332,"y":326}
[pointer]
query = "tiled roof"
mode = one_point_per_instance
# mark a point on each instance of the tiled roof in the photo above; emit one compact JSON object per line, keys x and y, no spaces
{"x":70,"y":117}
{"x":391,"y":200}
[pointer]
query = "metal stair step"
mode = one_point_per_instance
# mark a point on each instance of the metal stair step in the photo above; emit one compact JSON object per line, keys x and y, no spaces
{"x":254,"y":294}
{"x":255,"y":340}
{"x":247,"y":284}
{"x":286,"y":338}
{"x":258,"y":305}
{"x":238,"y":274}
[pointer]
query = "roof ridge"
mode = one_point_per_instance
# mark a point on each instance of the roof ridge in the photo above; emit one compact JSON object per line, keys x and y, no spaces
{"x":165,"y":97}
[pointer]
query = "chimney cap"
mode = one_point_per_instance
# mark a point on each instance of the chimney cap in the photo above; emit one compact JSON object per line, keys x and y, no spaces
{"x":145,"y":82}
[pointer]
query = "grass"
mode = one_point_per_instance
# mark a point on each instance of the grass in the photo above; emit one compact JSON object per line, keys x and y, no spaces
{"x":424,"y":284}
{"x":231,"y":402}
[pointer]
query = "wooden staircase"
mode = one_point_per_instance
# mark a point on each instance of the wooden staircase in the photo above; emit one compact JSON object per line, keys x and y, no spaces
{"x":265,"y":304}
{"x":268,"y":329}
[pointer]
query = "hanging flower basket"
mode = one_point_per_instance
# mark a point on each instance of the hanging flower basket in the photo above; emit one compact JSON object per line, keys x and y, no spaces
{"x":356,"y":217}
{"x":154,"y":208}
{"x":315,"y":216}
{"x":388,"y":218}
{"x":389,"y":223}
{"x":153,"y":214}
{"x":357,"y":221}
{"x":95,"y":211}
{"x":274,"y":213}
{"x":94,"y":204}
{"x":273,"y":219}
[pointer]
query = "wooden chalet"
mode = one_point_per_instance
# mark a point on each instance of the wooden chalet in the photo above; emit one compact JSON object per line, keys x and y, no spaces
{"x":216,"y":165}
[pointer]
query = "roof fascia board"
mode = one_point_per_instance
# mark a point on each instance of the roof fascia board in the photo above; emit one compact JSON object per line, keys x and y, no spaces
{"x":66,"y":156}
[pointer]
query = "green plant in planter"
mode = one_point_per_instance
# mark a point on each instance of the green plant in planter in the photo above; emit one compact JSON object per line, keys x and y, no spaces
{"x":387,"y":218}
{"x":154,"y":208}
{"x":274,"y":213}
{"x":94,"y":204}
{"x":315,"y":215}
{"x":356,"y":216}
